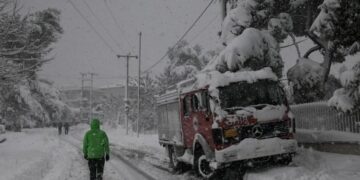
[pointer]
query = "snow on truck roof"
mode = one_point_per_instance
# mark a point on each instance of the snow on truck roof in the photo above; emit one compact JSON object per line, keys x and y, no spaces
{"x":215,"y":79}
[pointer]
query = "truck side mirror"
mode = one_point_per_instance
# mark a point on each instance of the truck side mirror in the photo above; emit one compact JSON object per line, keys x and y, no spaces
{"x":207,"y":116}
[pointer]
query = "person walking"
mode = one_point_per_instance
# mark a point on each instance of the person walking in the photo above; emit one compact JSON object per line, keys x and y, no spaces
{"x":59,"y":127}
{"x":96,"y":150}
{"x":66,"y":127}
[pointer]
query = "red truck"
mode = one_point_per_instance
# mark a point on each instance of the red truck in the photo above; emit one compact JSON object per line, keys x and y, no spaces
{"x":216,"y":121}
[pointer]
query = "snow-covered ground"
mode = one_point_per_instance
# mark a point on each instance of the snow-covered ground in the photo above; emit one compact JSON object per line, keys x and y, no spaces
{"x":312,"y":165}
{"x":314,"y":136}
{"x":41,"y":154}
{"x":145,"y":152}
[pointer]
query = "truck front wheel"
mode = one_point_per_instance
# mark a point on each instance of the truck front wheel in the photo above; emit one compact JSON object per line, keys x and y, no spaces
{"x":285,"y":160}
{"x":203,"y":167}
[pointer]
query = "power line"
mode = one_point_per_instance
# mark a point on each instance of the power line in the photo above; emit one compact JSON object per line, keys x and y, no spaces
{"x":102,"y":25}
{"x":76,"y":77}
{"x":181,"y":38}
{"x":91,"y":26}
{"x":116,"y":23}
{"x":204,"y":29}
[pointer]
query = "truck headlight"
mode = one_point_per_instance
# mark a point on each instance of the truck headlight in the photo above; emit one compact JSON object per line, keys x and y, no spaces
{"x":231,"y":133}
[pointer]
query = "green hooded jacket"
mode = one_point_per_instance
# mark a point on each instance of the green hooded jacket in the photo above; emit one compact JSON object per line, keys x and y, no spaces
{"x":96,"y":142}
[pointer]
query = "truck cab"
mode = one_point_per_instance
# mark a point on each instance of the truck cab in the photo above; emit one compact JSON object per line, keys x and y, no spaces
{"x":236,"y":123}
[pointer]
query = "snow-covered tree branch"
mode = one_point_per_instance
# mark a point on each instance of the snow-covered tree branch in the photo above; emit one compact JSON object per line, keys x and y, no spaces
{"x":25,"y":42}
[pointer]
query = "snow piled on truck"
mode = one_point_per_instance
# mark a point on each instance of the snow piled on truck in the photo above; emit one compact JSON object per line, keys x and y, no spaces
{"x":252,"y":49}
{"x":269,"y":113}
{"x":252,"y":148}
{"x":215,"y":79}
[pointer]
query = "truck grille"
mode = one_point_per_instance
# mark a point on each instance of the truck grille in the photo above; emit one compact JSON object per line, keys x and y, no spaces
{"x":263,"y":131}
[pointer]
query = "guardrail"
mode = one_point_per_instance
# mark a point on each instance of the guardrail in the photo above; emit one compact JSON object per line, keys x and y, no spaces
{"x":319,"y":116}
{"x":326,"y":129}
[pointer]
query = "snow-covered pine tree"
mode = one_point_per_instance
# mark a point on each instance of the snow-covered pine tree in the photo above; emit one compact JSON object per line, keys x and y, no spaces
{"x":148,"y":90}
{"x":335,"y":34}
{"x":251,"y":33}
{"x":25,"y":42}
{"x":184,"y":62}
{"x":113,"y":108}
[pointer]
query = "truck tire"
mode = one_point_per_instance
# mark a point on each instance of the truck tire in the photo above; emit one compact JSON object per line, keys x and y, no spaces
{"x":175,"y":165}
{"x":202,"y":165}
{"x":286,"y":160}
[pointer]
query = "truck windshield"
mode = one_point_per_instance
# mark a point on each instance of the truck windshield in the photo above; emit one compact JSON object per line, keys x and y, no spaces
{"x":244,"y":94}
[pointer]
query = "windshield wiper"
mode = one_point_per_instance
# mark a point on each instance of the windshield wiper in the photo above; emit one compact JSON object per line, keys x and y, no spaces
{"x":261,"y":105}
{"x":239,"y":108}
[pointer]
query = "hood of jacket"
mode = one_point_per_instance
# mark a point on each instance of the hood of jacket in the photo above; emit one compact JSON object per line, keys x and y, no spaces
{"x":95,"y":124}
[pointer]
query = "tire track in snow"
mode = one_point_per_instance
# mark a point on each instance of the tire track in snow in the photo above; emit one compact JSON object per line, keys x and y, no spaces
{"x":145,"y":161}
{"x":127,"y":173}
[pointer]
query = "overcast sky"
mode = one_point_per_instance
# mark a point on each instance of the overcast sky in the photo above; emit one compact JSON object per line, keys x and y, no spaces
{"x":162,"y":22}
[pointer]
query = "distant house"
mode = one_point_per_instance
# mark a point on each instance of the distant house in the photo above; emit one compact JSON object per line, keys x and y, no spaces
{"x":72,"y":97}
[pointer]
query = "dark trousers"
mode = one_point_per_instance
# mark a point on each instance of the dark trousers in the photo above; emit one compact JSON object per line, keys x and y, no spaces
{"x":96,"y":167}
{"x":66,"y":130}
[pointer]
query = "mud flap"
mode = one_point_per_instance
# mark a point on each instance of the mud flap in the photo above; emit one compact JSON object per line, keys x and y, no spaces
{"x":236,"y":172}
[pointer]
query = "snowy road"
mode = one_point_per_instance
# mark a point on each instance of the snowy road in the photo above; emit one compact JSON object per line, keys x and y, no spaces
{"x":125,"y":168}
{"x":40,"y":154}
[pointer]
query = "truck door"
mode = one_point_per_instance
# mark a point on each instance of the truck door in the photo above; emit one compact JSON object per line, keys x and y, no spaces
{"x":202,"y":118}
{"x":187,"y":121}
{"x":196,"y":117}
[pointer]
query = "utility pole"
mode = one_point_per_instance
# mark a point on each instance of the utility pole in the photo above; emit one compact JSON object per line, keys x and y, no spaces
{"x":126,"y":89}
{"x":139,"y":78}
{"x":84,"y":78}
{"x":223,"y":9}
{"x":91,"y":93}
{"x":83,"y":75}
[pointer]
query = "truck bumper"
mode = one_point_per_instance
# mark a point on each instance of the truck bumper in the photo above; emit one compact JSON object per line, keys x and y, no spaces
{"x":253,"y":148}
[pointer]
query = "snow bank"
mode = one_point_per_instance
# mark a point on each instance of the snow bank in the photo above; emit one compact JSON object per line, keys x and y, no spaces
{"x":316,"y":136}
{"x":252,"y":148}
{"x":25,"y":155}
{"x":311,"y":165}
